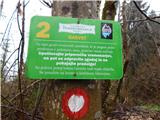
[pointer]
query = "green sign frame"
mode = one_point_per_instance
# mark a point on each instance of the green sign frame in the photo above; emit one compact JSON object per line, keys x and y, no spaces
{"x":72,"y":48}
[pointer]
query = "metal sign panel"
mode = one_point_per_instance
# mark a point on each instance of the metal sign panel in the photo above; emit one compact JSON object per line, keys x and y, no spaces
{"x":71,"y":48}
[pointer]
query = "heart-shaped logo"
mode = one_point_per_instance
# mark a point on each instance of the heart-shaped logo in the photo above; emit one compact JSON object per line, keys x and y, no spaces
{"x":75,"y":103}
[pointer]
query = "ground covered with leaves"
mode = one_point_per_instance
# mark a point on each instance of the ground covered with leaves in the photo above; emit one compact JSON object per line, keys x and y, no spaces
{"x":133,"y":113}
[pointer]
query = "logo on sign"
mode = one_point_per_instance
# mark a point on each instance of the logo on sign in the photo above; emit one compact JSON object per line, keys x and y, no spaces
{"x":106,"y":31}
{"x":77,"y":28}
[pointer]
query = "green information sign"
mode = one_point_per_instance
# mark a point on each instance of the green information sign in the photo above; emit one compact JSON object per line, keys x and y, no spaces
{"x":70,"y":48}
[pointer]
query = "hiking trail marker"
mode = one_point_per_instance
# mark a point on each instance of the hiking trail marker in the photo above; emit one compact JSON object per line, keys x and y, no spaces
{"x":71,"y":48}
{"x":75,"y":103}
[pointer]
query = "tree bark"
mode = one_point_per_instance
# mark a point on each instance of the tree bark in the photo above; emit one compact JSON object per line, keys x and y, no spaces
{"x":56,"y":88}
{"x":109,"y":12}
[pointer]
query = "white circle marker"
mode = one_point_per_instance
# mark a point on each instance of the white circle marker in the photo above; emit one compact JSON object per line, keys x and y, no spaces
{"x":76,"y":103}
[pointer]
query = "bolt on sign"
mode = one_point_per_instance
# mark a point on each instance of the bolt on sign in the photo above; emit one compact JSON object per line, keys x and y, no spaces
{"x":71,"y":48}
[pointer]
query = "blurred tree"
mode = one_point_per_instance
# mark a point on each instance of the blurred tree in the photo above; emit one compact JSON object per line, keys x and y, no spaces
{"x":143,"y":49}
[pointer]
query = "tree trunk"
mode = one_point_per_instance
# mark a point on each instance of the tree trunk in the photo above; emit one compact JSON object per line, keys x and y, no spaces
{"x":56,"y":88}
{"x":109,"y":12}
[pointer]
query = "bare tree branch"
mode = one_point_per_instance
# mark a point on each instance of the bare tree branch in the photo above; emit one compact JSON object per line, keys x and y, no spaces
{"x":148,"y":18}
{"x":142,"y":19}
{"x":19,"y":110}
{"x":9,"y":58}
{"x":7,"y":100}
{"x":27,"y":3}
{"x":20,"y":63}
{"x":19,"y":24}
{"x":10,"y":69}
{"x":47,"y":4}
{"x":8,"y":26}
{"x":29,"y":86}
{"x":39,"y":98}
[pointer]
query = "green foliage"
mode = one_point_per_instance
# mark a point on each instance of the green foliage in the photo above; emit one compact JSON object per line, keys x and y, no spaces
{"x":152,"y":107}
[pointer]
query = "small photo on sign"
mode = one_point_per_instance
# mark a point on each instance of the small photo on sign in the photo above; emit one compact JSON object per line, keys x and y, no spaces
{"x":106,"y":31}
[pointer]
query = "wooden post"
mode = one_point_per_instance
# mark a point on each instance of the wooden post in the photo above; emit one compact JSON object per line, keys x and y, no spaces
{"x":52,"y":100}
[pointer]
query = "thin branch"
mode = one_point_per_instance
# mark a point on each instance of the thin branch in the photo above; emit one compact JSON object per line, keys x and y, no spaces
{"x":47,"y":4}
{"x":7,"y":100}
{"x":39,"y":98}
{"x":19,"y":24}
{"x":28,"y":87}
{"x":5,"y":48}
{"x":8,"y":26}
{"x":10,"y":69}
{"x":6,"y":115}
{"x":142,"y":19}
{"x":10,"y":111}
{"x":20,"y":63}
{"x":144,"y":13}
{"x":13,"y":76}
{"x":9,"y":58}
{"x":19,"y":51}
{"x":27,"y":3}
{"x":19,"y":110}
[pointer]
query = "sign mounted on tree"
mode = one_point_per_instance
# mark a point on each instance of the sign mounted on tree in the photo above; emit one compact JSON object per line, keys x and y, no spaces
{"x":70,"y":48}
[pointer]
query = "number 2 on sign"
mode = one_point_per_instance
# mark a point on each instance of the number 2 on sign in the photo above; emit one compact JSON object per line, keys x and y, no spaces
{"x":44,"y":32}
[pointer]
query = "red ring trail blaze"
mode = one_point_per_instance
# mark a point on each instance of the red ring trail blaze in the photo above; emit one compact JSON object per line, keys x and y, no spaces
{"x":75,"y":103}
